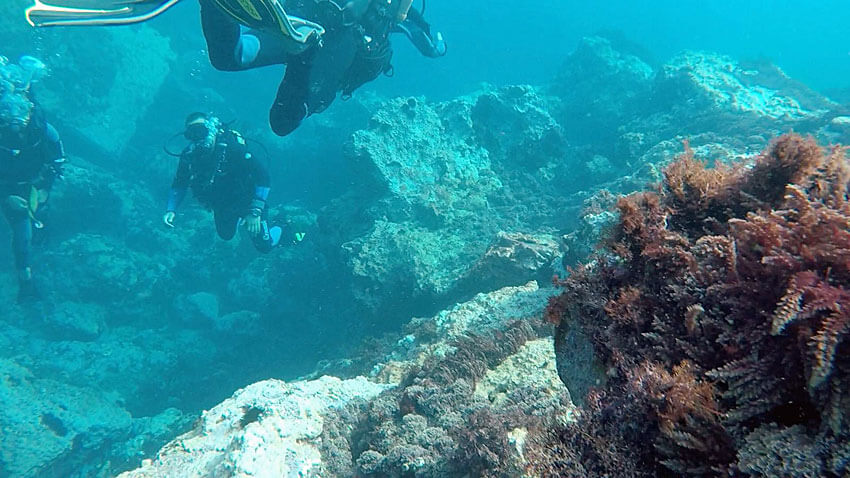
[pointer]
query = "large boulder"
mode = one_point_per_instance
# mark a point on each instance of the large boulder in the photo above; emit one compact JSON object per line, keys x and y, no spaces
{"x":600,"y":86}
{"x":516,"y":127}
{"x":513,"y":258}
{"x":446,"y":178}
{"x":422,"y":260}
{"x":410,"y":152}
{"x":709,"y":83}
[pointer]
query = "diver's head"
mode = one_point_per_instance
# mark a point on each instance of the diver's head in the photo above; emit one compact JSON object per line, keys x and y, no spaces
{"x":202,"y":128}
{"x":15,"y":111}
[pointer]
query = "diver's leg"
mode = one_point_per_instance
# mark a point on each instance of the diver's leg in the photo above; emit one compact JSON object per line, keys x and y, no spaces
{"x":257,"y":48}
{"x":232,"y":47}
{"x":221,"y":33}
{"x":329,"y":68}
{"x":21,"y":238}
{"x":290,"y":104}
{"x":21,"y":244}
{"x":226,"y":223}
{"x":312,"y":81}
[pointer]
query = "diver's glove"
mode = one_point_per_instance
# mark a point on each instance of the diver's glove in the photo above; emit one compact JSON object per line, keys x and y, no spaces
{"x":168,"y":218}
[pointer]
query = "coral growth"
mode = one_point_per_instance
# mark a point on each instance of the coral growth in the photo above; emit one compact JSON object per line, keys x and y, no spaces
{"x":434,"y":425}
{"x":719,"y":307}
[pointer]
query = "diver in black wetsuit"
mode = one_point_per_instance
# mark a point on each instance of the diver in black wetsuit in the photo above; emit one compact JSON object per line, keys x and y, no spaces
{"x":226,"y":178}
{"x":354,"y":49}
{"x":31,"y":158}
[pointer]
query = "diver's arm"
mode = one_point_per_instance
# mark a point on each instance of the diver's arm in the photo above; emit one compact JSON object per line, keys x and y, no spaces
{"x":179,"y":186}
{"x":262,"y":185}
{"x":54,"y":159}
{"x":419,"y":32}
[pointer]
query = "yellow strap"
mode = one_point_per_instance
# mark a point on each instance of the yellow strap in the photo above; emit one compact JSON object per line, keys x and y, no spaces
{"x":33,"y":200}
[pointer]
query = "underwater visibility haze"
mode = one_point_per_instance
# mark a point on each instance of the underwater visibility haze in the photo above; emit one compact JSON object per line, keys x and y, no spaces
{"x":384,"y":238}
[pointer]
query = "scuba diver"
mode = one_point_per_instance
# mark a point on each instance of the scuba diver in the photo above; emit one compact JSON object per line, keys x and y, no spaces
{"x":31,"y":159}
{"x":225,"y":178}
{"x":327,"y":48}
{"x":354,"y":49}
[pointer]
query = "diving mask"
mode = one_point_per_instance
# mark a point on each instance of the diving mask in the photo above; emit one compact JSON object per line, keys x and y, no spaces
{"x":202,"y":130}
{"x":15,"y":110}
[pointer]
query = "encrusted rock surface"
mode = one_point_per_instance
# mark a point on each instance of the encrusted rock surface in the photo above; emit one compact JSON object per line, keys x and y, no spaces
{"x":432,"y":336}
{"x":514,"y":257}
{"x":719,"y":82}
{"x":268,"y":429}
{"x":532,"y":366}
{"x":43,"y":420}
{"x":422,"y":162}
{"x":323,"y":426}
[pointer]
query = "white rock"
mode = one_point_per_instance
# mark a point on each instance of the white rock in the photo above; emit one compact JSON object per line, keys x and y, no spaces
{"x":532,"y":366}
{"x":269,"y":429}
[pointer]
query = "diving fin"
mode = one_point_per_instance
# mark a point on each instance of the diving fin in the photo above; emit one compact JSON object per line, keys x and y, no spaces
{"x":269,"y":15}
{"x":48,"y":13}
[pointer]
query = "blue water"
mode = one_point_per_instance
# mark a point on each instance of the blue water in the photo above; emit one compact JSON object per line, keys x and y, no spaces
{"x":525,"y":42}
{"x":501,"y":43}
{"x":318,"y":312}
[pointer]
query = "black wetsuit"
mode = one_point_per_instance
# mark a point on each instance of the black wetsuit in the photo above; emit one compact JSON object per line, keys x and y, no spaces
{"x":228,"y":180}
{"x":350,"y":54}
{"x":31,"y":158}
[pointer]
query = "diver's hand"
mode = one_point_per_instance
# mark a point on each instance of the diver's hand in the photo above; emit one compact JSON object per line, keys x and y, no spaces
{"x":17,"y":203}
{"x":168,"y":218}
{"x":252,"y":223}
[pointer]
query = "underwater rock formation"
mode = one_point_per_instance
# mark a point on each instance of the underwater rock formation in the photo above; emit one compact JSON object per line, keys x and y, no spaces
{"x":611,"y":96}
{"x":269,"y":429}
{"x":44,"y":420}
{"x":718,"y":83}
{"x":735,"y":101}
{"x":598,"y":88}
{"x":448,"y":175}
{"x":460,"y":392}
{"x":448,"y":178}
{"x":514,"y":257}
{"x":717,"y":312}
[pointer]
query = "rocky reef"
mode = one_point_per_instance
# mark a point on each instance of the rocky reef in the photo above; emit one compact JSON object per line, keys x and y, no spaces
{"x":459,"y":392}
{"x":716,"y":314}
{"x":449,"y":183}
